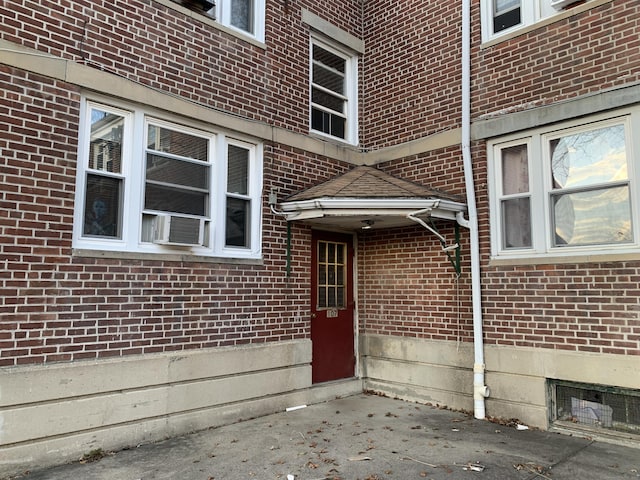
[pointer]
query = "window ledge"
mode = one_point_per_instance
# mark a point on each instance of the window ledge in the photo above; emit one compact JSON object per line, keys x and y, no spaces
{"x":558,"y":259}
{"x":544,"y":22}
{"x":165,"y":257}
{"x":213,"y":23}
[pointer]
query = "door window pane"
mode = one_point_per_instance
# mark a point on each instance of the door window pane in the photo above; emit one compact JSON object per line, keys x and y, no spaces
{"x":331,"y":274}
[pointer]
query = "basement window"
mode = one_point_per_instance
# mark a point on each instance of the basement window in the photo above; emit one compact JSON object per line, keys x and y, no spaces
{"x":595,"y":407}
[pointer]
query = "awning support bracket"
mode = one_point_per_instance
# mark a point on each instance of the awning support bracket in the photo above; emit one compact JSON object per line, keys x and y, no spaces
{"x":447,"y":249}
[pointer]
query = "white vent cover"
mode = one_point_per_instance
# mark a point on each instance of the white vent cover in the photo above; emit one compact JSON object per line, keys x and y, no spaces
{"x":178,"y":230}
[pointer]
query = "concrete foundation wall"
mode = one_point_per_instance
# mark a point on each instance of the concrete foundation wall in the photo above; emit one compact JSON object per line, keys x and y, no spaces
{"x":442,"y":373}
{"x":56,"y":413}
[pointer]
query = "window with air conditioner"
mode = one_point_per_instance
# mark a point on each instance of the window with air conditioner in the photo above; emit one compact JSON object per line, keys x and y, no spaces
{"x":157,"y":185}
{"x":501,"y":17}
{"x":566,"y":190}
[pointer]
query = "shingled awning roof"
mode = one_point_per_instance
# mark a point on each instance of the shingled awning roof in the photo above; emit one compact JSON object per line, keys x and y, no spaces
{"x":367,"y":196}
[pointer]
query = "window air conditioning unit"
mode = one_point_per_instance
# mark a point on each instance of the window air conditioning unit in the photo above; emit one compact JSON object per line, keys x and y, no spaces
{"x":178,"y":230}
{"x":561,"y":4}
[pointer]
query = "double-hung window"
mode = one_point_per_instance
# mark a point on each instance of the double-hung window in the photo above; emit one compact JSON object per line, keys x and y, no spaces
{"x":333,"y":92}
{"x":566,"y":191}
{"x":158,"y":185}
{"x":247,"y":16}
{"x":499,"y":17}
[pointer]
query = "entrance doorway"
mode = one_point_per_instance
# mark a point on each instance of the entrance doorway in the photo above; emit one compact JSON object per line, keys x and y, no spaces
{"x":332,"y":307}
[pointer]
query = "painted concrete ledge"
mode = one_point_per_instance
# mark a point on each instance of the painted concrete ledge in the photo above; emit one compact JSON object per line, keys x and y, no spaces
{"x":56,"y":413}
{"x":441,"y":373}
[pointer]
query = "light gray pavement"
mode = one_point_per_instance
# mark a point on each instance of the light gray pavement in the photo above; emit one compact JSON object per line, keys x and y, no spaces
{"x":364,"y":437}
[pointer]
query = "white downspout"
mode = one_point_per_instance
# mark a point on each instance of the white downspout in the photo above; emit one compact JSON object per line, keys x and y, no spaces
{"x":480,"y":390}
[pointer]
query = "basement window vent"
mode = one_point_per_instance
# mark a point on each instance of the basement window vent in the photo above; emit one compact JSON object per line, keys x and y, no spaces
{"x":595,"y":406}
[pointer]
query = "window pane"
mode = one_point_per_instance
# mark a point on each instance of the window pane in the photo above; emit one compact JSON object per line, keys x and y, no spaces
{"x":242,"y":14}
{"x":328,"y":79}
{"x":102,"y":207}
{"x":177,"y":172}
{"x":515,"y":170}
{"x":175,"y":199}
{"x":177,"y":143}
{"x":507,"y":14}
{"x":237,"y":170}
{"x":329,"y":59}
{"x":327,"y":100}
{"x":237,"y":226}
{"x":340,"y":301}
{"x":328,"y":123}
{"x":516,"y":223}
{"x":589,"y":158}
{"x":504,"y":5}
{"x":322,"y":252}
{"x":594,"y":217}
{"x":105,"y":147}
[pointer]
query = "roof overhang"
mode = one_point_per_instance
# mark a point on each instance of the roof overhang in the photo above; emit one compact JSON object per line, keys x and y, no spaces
{"x":356,"y":213}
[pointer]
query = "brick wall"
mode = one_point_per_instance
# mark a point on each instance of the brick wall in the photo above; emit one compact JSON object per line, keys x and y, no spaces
{"x":411,"y":71}
{"x":57,"y":307}
{"x":407,"y":287}
{"x":585,"y":53}
{"x":163,"y":48}
{"x":579,"y":307}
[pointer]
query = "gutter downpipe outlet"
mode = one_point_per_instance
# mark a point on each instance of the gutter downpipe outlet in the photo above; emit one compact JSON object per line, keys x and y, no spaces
{"x":480,"y":390}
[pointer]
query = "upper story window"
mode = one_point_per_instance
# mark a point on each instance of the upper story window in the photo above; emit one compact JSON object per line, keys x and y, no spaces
{"x":500,"y":17}
{"x":333,"y":92}
{"x":247,"y":16}
{"x":566,"y":191}
{"x":146,"y":184}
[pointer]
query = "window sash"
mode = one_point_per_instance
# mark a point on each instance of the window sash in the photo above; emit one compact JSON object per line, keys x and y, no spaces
{"x":181,"y":178}
{"x":332,"y":92}
{"x":549,"y":203}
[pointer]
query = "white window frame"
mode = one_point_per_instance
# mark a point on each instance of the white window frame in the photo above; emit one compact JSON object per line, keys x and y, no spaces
{"x":350,"y":93}
{"x":540,"y":188}
{"x":223,"y":14}
{"x":137,"y":119}
{"x":531,"y":12}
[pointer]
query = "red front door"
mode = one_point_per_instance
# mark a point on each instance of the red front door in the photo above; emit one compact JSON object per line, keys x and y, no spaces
{"x":332,"y":326}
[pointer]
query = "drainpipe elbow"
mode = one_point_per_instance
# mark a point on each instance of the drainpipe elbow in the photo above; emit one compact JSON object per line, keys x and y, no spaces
{"x":463,"y":222}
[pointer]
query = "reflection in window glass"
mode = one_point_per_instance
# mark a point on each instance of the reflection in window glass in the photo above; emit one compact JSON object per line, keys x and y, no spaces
{"x":105,"y":147}
{"x":237,"y":226}
{"x":593,"y":217}
{"x":102,"y":212}
{"x":590,"y":199}
{"x":588,"y":158}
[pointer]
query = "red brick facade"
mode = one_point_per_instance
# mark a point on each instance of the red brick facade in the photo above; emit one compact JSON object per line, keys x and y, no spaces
{"x":56,"y":306}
